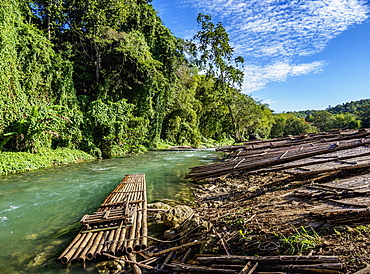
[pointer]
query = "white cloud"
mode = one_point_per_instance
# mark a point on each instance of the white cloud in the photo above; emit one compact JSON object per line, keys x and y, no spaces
{"x":256,"y":77}
{"x":277,"y":32}
{"x":270,"y":101}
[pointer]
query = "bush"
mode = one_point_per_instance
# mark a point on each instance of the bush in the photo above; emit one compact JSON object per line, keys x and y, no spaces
{"x":12,"y":162}
{"x":113,"y":129}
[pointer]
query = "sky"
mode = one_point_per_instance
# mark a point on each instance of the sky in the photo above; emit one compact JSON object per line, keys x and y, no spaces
{"x":299,"y":54}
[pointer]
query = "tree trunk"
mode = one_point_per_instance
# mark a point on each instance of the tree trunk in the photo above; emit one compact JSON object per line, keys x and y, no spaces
{"x":97,"y":61}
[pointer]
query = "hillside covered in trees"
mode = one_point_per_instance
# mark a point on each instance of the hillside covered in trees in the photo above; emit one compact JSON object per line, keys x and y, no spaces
{"x":350,"y":115}
{"x":108,"y":78}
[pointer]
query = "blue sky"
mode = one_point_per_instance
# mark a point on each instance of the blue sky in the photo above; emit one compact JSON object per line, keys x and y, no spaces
{"x":299,"y":54}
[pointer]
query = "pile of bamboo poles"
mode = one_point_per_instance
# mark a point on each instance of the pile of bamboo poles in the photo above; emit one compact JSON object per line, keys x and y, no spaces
{"x":289,"y":141}
{"x":118,"y":227}
{"x":265,"y":264}
{"x":256,"y":157}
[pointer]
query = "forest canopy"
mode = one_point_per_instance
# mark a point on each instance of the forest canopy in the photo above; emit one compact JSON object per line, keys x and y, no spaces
{"x":108,"y":78}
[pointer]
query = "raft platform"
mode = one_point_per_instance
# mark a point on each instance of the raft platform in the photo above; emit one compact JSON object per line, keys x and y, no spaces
{"x":118,"y":227}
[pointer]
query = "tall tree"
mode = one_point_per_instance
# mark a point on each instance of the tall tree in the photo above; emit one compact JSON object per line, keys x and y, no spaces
{"x":214,"y":54}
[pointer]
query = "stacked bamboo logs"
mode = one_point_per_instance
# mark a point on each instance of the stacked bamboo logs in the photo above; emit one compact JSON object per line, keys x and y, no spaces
{"x":118,"y":227}
{"x":264,"y":264}
{"x":345,"y":201}
{"x":337,"y":151}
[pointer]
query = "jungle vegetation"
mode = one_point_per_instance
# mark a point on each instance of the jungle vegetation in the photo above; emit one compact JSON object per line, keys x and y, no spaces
{"x":350,"y":115}
{"x":106,"y":77}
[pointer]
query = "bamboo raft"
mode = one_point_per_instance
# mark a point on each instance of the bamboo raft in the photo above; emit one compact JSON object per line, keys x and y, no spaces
{"x":118,"y":227}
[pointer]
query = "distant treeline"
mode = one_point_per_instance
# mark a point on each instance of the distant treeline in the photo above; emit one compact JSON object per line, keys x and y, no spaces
{"x":351,"y":115}
{"x":108,"y":78}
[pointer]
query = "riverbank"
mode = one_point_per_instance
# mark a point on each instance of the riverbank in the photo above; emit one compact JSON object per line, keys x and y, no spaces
{"x":13,"y":162}
{"x":238,"y":218}
{"x":297,"y":204}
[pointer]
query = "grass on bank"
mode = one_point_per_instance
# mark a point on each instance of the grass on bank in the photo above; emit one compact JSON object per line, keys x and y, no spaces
{"x":12,"y":162}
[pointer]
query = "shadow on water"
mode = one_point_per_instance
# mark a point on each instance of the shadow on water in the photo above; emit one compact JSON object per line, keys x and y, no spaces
{"x":40,"y":210}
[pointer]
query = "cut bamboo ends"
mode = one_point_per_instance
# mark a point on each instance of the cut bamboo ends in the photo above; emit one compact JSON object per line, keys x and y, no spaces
{"x":118,"y":227}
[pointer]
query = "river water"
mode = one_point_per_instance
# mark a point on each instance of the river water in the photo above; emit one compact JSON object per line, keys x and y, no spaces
{"x":37,"y":208}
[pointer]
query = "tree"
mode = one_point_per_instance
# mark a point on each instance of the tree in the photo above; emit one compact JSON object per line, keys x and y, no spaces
{"x":120,"y":50}
{"x":365,"y":115}
{"x":354,"y":107}
{"x":325,"y":121}
{"x":278,"y":126}
{"x":211,"y":43}
{"x":181,"y":124}
{"x":251,"y":117}
{"x":288,"y":124}
{"x":213,"y":119}
{"x":113,"y":129}
{"x":297,"y":126}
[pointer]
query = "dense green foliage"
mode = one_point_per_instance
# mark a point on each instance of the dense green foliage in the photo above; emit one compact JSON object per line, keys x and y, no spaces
{"x":289,"y":124}
{"x":326,"y":121}
{"x":360,"y":108}
{"x":107,"y":77}
{"x":351,"y":115}
{"x":353,"y":107}
{"x":11,"y":162}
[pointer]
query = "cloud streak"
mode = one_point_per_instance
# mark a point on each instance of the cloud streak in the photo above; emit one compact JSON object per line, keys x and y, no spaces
{"x":274,"y":34}
{"x":258,"y":76}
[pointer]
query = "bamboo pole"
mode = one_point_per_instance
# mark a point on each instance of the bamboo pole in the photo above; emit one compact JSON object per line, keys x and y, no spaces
{"x":144,"y":238}
{"x":198,"y":269}
{"x":176,"y":248}
{"x":80,"y":248}
{"x":122,"y":242}
{"x":95,"y":245}
{"x":114,"y":245}
{"x":139,"y":221}
{"x":66,"y":258}
{"x":109,"y":240}
{"x":312,"y":268}
{"x":83,"y":256}
{"x":136,"y":269}
{"x":248,"y":268}
{"x":101,"y":244}
{"x":285,"y":258}
{"x":132,"y":262}
{"x":130,"y":241}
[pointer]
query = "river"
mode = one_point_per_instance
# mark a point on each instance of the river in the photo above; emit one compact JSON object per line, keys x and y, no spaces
{"x":37,"y":208}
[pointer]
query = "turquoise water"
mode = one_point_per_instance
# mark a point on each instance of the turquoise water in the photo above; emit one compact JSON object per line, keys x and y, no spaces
{"x":37,"y":207}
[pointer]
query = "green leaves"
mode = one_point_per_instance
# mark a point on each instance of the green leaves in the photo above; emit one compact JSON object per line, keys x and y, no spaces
{"x":287,"y":124}
{"x":301,"y":241}
{"x":36,"y":130}
{"x":114,"y":129}
{"x":12,"y":162}
{"x":108,"y":77}
{"x":214,"y":55}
